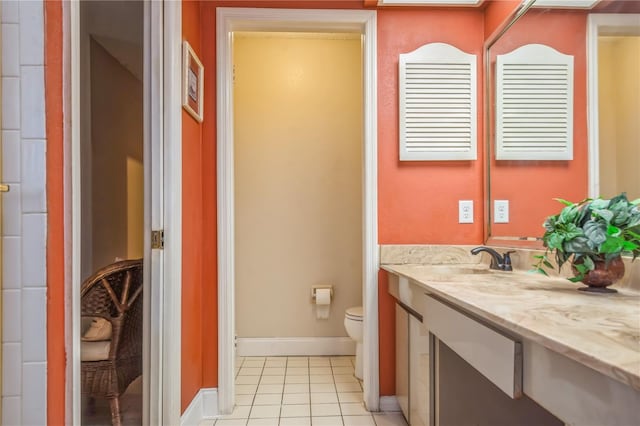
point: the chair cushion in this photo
(100, 329)
(95, 351)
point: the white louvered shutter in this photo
(534, 104)
(438, 104)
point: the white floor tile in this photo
(320, 370)
(297, 362)
(358, 421)
(265, 411)
(323, 378)
(270, 389)
(325, 410)
(250, 371)
(353, 409)
(344, 378)
(271, 380)
(297, 371)
(263, 422)
(342, 370)
(348, 387)
(350, 396)
(295, 398)
(296, 388)
(295, 421)
(319, 362)
(327, 421)
(389, 419)
(267, 399)
(207, 423)
(324, 398)
(247, 380)
(246, 389)
(253, 363)
(340, 362)
(239, 412)
(244, 399)
(322, 387)
(298, 410)
(231, 422)
(297, 379)
(282, 362)
(273, 371)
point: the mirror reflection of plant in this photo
(590, 231)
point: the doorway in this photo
(613, 42)
(160, 71)
(229, 21)
(112, 190)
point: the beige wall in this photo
(298, 181)
(619, 94)
(116, 148)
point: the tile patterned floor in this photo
(300, 391)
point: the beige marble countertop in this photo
(599, 331)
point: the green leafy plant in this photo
(590, 231)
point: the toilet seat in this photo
(354, 313)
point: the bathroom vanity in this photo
(491, 347)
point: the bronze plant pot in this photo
(603, 275)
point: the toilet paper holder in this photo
(319, 287)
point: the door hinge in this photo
(157, 239)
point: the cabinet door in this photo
(418, 373)
(402, 359)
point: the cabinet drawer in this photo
(497, 357)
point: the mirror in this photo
(605, 120)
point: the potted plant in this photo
(592, 235)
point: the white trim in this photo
(295, 346)
(600, 24)
(247, 19)
(76, 212)
(389, 403)
(204, 406)
(171, 299)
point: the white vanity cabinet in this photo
(412, 352)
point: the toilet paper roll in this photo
(323, 299)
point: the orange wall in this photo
(511, 180)
(56, 357)
(192, 235)
(418, 201)
(496, 12)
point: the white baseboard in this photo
(389, 403)
(295, 346)
(204, 406)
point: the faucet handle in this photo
(506, 261)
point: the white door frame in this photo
(229, 20)
(163, 210)
(601, 24)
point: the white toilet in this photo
(353, 325)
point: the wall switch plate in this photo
(501, 211)
(465, 211)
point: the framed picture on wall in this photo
(192, 82)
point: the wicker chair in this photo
(115, 293)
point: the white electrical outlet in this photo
(501, 211)
(465, 211)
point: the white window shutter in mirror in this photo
(438, 104)
(534, 104)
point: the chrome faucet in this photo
(498, 261)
